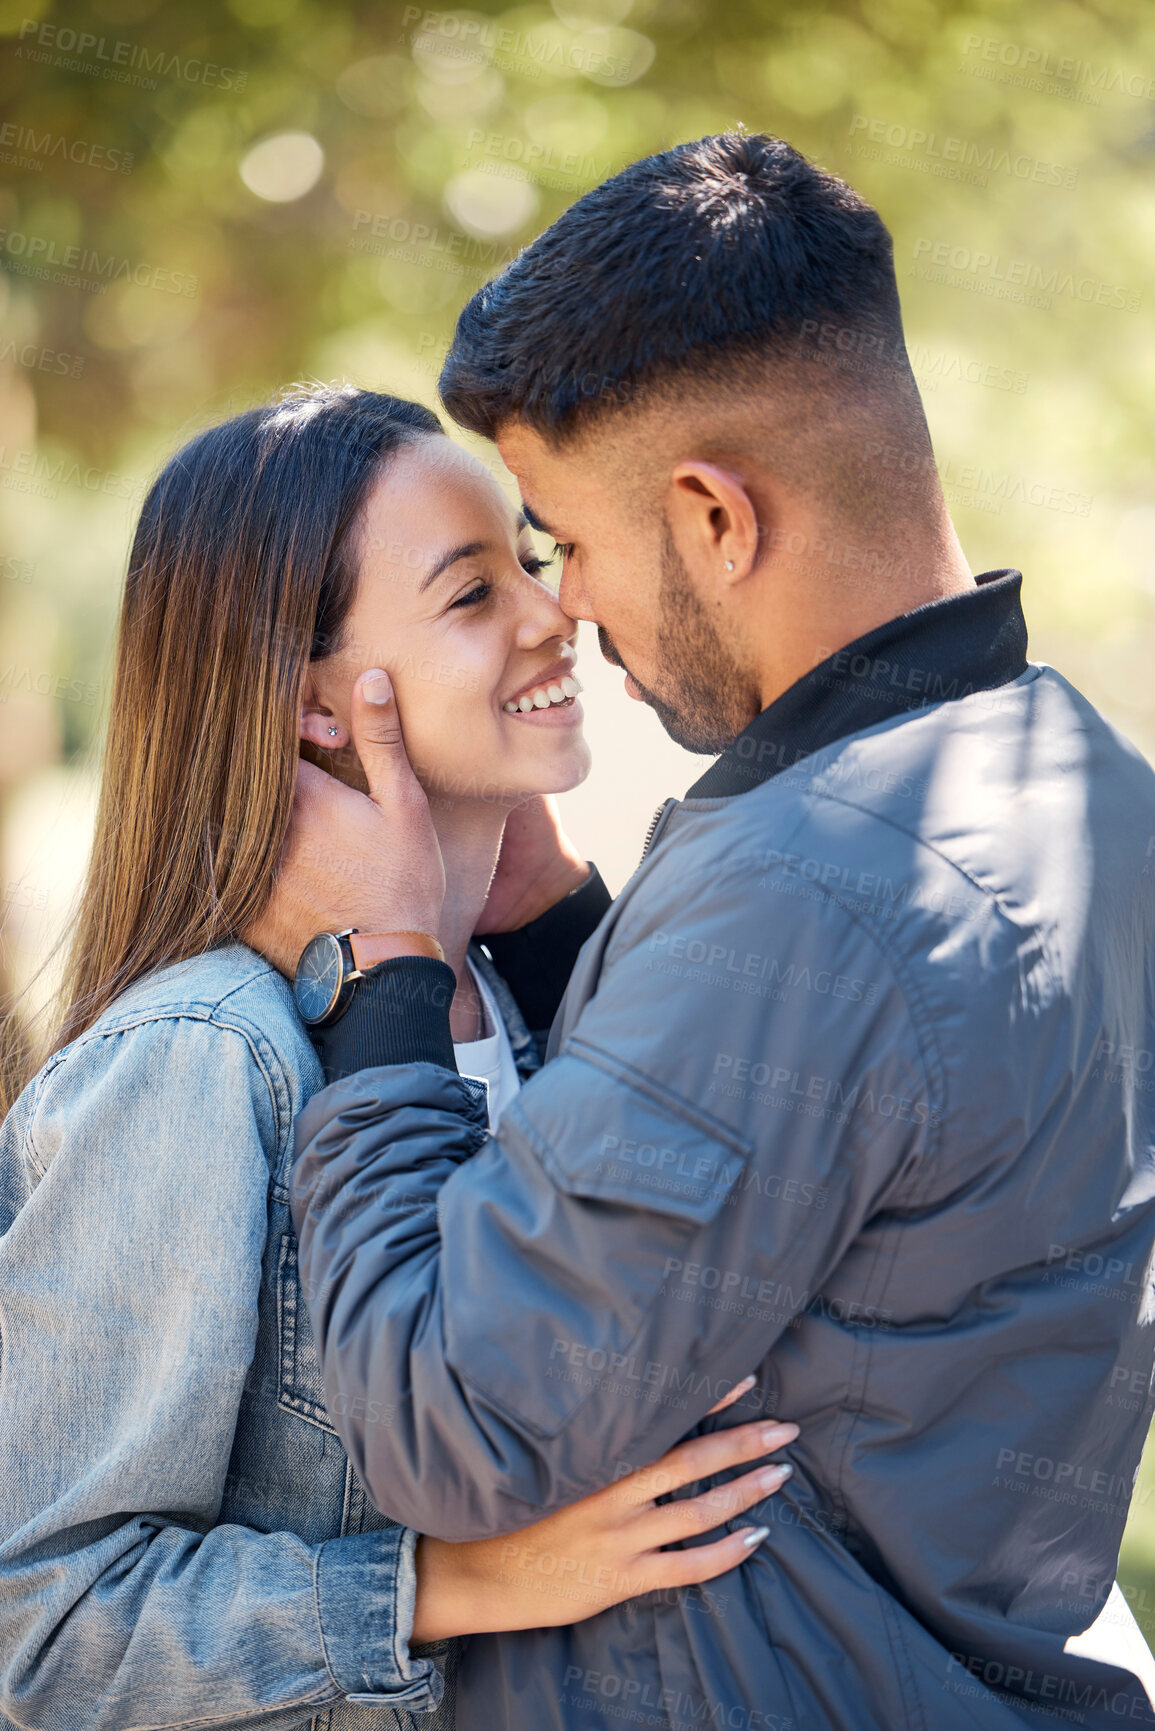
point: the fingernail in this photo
(741, 1387)
(376, 686)
(775, 1476)
(755, 1537)
(776, 1434)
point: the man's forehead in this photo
(550, 476)
(518, 443)
(525, 455)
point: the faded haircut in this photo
(704, 268)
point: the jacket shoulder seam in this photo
(922, 1027)
(921, 1023)
(989, 895)
(251, 1039)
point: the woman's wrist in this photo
(545, 885)
(552, 887)
(442, 1607)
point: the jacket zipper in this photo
(654, 822)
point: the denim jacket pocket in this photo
(301, 1387)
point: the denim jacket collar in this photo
(525, 1053)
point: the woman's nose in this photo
(543, 616)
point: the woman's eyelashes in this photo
(473, 597)
(531, 564)
(535, 565)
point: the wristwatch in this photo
(332, 963)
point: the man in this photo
(848, 1087)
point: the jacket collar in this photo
(946, 649)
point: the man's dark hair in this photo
(685, 265)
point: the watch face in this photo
(317, 983)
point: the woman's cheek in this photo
(447, 729)
(422, 720)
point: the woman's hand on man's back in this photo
(609, 1546)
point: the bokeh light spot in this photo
(283, 167)
(491, 204)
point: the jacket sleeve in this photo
(402, 1008)
(659, 1203)
(128, 1310)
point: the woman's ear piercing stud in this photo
(333, 733)
(729, 564)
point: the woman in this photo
(182, 1539)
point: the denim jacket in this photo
(183, 1540)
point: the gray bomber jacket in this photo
(852, 1087)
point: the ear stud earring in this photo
(333, 733)
(729, 565)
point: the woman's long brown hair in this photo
(243, 568)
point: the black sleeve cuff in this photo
(537, 960)
(399, 1015)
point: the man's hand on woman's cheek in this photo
(351, 859)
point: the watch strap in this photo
(370, 948)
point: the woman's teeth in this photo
(542, 696)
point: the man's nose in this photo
(573, 599)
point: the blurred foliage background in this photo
(201, 202)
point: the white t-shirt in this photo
(490, 1060)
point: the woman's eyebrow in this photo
(467, 550)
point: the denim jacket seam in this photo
(318, 1699)
(308, 1411)
(27, 1141)
(253, 1038)
(275, 1079)
(320, 1623)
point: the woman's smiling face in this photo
(450, 602)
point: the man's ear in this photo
(319, 726)
(713, 520)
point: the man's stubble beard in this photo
(707, 697)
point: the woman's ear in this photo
(319, 726)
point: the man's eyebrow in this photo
(467, 550)
(534, 520)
